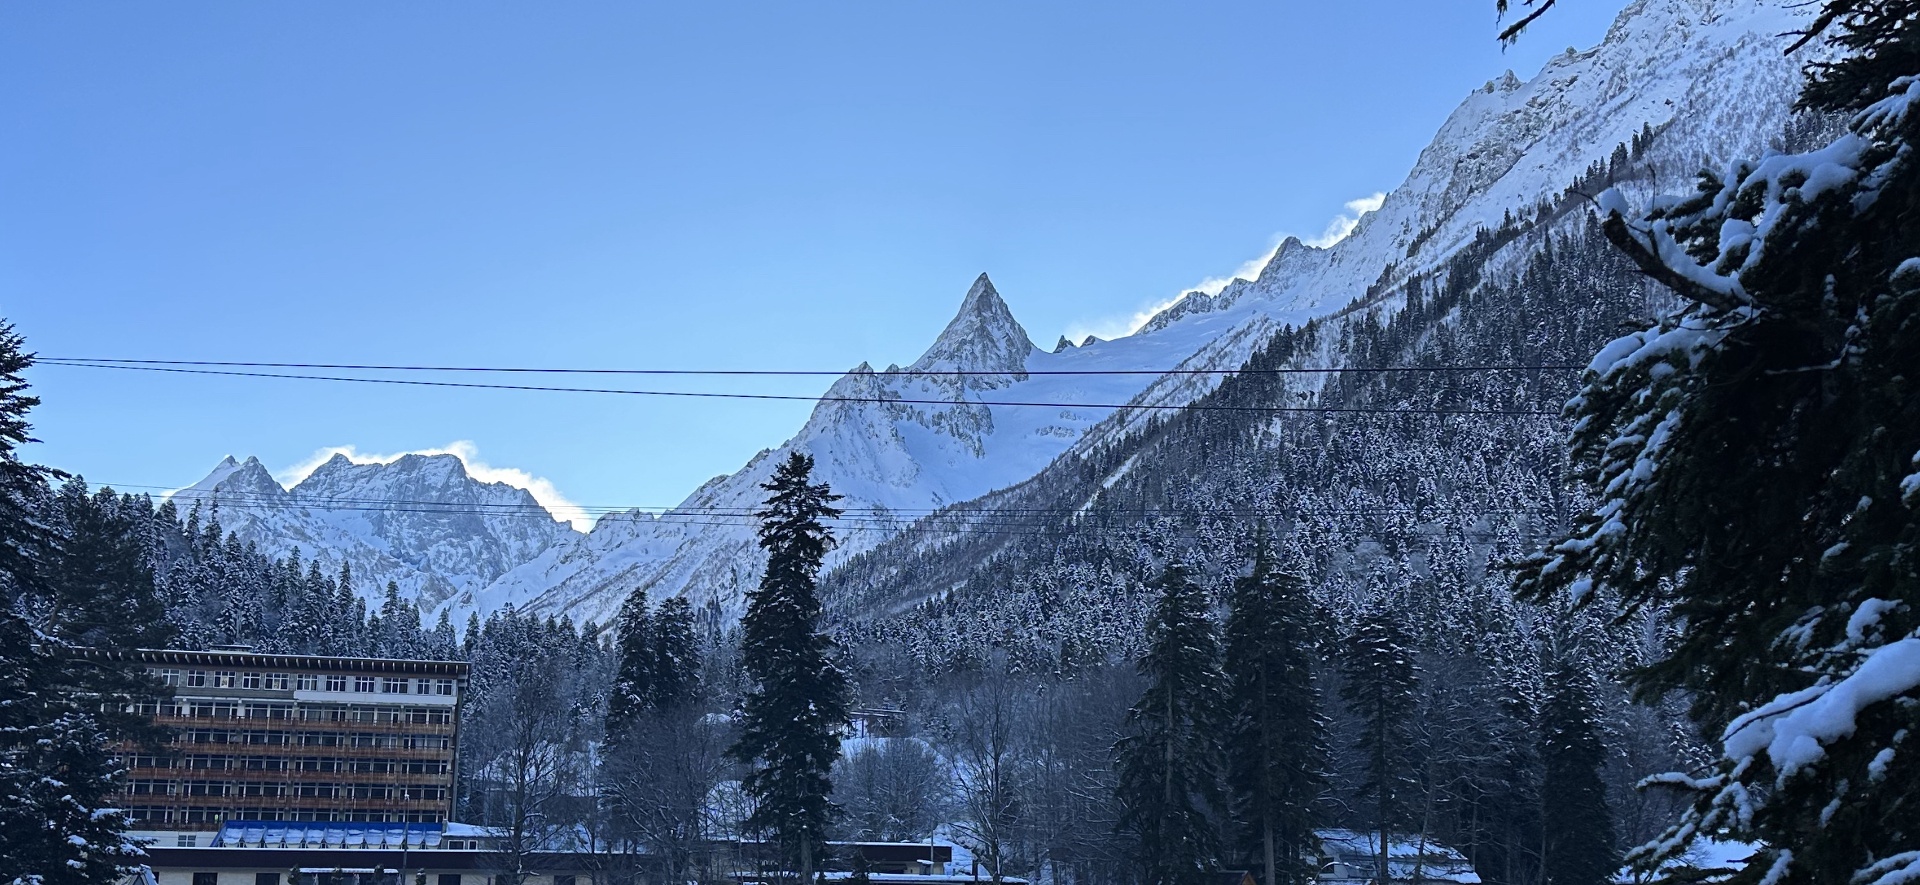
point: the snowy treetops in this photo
(1753, 459)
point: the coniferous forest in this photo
(1584, 626)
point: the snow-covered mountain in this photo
(1709, 74)
(938, 440)
(420, 521)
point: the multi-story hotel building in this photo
(259, 737)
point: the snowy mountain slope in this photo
(1708, 73)
(941, 442)
(420, 521)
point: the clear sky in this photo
(687, 185)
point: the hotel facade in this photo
(292, 738)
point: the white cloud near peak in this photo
(1343, 224)
(1337, 229)
(540, 488)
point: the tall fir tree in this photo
(1278, 753)
(796, 703)
(1752, 456)
(1170, 761)
(57, 770)
(1580, 846)
(1379, 682)
(633, 682)
(676, 655)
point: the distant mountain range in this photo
(1707, 75)
(421, 522)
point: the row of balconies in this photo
(286, 776)
(424, 726)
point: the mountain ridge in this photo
(422, 522)
(1512, 146)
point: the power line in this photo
(821, 399)
(114, 362)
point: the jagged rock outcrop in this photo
(420, 521)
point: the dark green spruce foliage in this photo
(1170, 762)
(1580, 842)
(99, 589)
(659, 662)
(676, 655)
(1752, 455)
(56, 771)
(1379, 681)
(633, 682)
(797, 700)
(1277, 746)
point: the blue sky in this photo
(711, 185)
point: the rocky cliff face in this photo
(420, 522)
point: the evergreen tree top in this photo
(793, 511)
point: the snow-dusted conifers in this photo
(1376, 662)
(1277, 746)
(1754, 458)
(56, 768)
(1579, 846)
(797, 701)
(1170, 762)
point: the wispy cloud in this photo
(1338, 229)
(1344, 223)
(540, 488)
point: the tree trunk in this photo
(1267, 834)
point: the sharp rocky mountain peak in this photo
(903, 442)
(982, 337)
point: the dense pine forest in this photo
(1583, 552)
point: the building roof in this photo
(160, 857)
(191, 658)
(300, 834)
(1407, 855)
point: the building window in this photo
(196, 678)
(168, 677)
(266, 879)
(206, 879)
(277, 681)
(336, 683)
(223, 678)
(363, 683)
(308, 682)
(444, 686)
(390, 685)
(250, 681)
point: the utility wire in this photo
(103, 361)
(1537, 413)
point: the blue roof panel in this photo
(334, 834)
